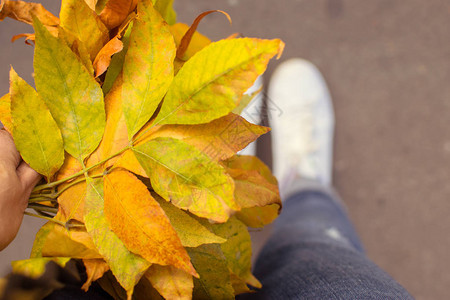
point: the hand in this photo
(17, 180)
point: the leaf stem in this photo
(45, 218)
(85, 170)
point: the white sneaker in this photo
(252, 112)
(302, 136)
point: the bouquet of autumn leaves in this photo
(135, 127)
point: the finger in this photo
(8, 152)
(28, 176)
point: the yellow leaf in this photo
(91, 4)
(35, 267)
(211, 83)
(220, 139)
(5, 112)
(116, 11)
(36, 135)
(214, 281)
(95, 269)
(77, 47)
(126, 266)
(115, 137)
(165, 8)
(256, 190)
(75, 243)
(39, 241)
(103, 58)
(170, 282)
(138, 220)
(188, 178)
(24, 12)
(74, 97)
(128, 161)
(189, 230)
(83, 22)
(148, 67)
(258, 217)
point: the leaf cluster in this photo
(135, 126)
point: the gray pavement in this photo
(387, 63)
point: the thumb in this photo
(28, 176)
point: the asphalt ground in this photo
(387, 64)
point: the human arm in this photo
(17, 180)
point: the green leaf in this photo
(116, 65)
(237, 249)
(79, 19)
(165, 8)
(127, 267)
(148, 67)
(35, 267)
(188, 178)
(74, 97)
(211, 265)
(212, 82)
(36, 135)
(189, 230)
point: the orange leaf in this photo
(138, 220)
(116, 11)
(103, 58)
(95, 269)
(186, 40)
(71, 202)
(24, 12)
(198, 41)
(71, 166)
(29, 38)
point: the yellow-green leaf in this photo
(79, 19)
(211, 265)
(141, 224)
(190, 231)
(126, 266)
(36, 135)
(35, 267)
(5, 112)
(237, 249)
(170, 282)
(211, 83)
(148, 66)
(219, 139)
(74, 97)
(165, 8)
(188, 178)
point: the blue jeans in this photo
(315, 253)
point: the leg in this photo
(315, 253)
